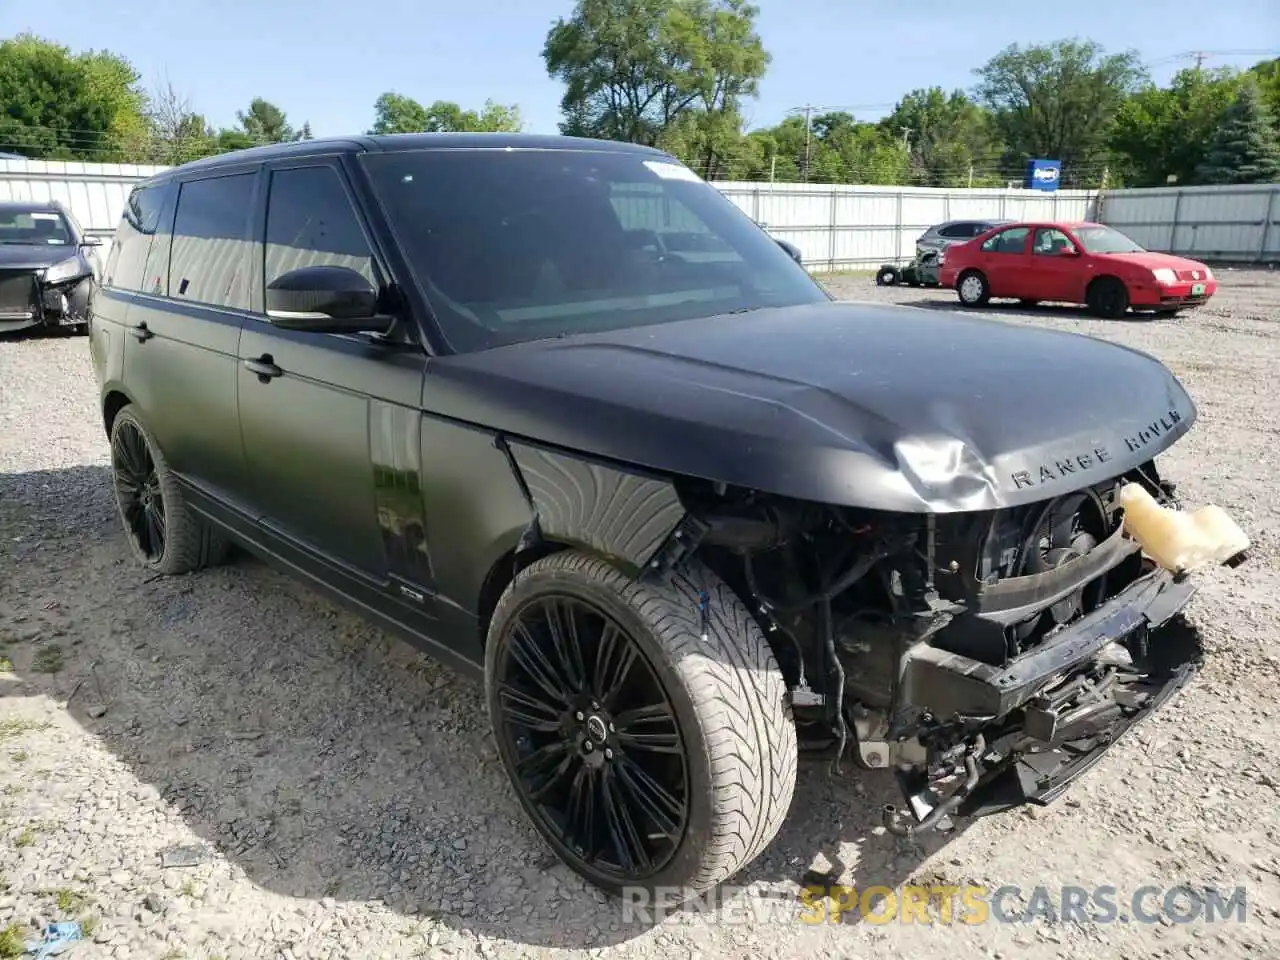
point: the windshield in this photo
(513, 245)
(1099, 239)
(41, 227)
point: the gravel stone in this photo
(340, 782)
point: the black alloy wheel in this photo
(138, 491)
(595, 745)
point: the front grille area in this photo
(17, 294)
(1191, 276)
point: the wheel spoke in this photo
(628, 844)
(566, 761)
(613, 664)
(155, 531)
(645, 793)
(542, 766)
(580, 824)
(533, 661)
(634, 729)
(563, 628)
(528, 711)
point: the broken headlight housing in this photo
(64, 270)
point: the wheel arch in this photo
(113, 401)
(623, 515)
(1104, 278)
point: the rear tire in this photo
(704, 718)
(972, 289)
(163, 532)
(1107, 297)
(886, 277)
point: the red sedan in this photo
(1085, 263)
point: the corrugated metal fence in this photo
(1233, 223)
(839, 227)
(836, 227)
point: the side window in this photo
(1050, 242)
(209, 262)
(127, 259)
(957, 231)
(311, 223)
(1013, 240)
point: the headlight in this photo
(1164, 275)
(67, 269)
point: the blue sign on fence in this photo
(1043, 174)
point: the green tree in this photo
(396, 113)
(1162, 132)
(60, 106)
(953, 140)
(1244, 148)
(1267, 75)
(633, 68)
(264, 122)
(1058, 100)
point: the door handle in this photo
(141, 333)
(264, 367)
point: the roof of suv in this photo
(411, 141)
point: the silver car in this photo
(944, 235)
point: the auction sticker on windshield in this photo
(672, 171)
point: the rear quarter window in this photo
(126, 267)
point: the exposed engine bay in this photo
(987, 658)
(46, 296)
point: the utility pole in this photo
(808, 129)
(1199, 58)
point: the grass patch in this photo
(26, 838)
(13, 789)
(69, 901)
(20, 756)
(48, 660)
(11, 727)
(6, 665)
(12, 942)
(88, 924)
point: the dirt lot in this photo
(343, 798)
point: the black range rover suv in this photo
(561, 414)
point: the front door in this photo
(1004, 261)
(330, 422)
(1055, 266)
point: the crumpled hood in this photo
(34, 254)
(887, 408)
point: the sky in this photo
(326, 61)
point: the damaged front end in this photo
(60, 295)
(987, 658)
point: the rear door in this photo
(331, 432)
(183, 329)
(1004, 260)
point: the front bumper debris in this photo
(1048, 716)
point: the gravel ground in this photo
(336, 795)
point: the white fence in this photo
(836, 227)
(1231, 223)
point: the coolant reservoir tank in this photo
(1180, 540)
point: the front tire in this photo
(886, 277)
(647, 753)
(972, 289)
(1108, 298)
(163, 532)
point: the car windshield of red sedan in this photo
(41, 227)
(1106, 240)
(514, 245)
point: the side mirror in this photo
(325, 299)
(792, 250)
